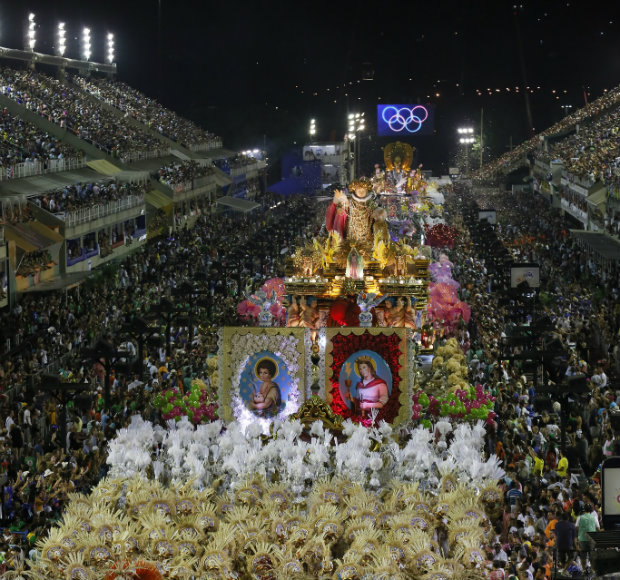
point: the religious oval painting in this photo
(365, 382)
(265, 384)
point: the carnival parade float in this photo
(340, 437)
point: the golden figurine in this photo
(398, 156)
(359, 226)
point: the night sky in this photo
(255, 73)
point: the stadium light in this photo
(110, 47)
(466, 139)
(62, 39)
(86, 52)
(312, 129)
(356, 124)
(31, 35)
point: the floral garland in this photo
(199, 404)
(294, 455)
(470, 405)
(240, 345)
(441, 235)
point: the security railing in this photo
(30, 168)
(94, 212)
(131, 156)
(212, 144)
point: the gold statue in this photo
(332, 245)
(403, 254)
(319, 253)
(398, 156)
(381, 253)
(359, 225)
(380, 227)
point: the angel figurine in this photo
(366, 301)
(265, 301)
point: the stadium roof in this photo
(151, 165)
(220, 153)
(158, 199)
(221, 178)
(32, 236)
(238, 203)
(64, 281)
(50, 181)
(607, 247)
(599, 196)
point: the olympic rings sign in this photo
(409, 119)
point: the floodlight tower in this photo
(31, 34)
(110, 55)
(312, 129)
(466, 139)
(61, 44)
(86, 46)
(356, 124)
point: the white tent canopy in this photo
(237, 203)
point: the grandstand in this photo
(574, 164)
(90, 169)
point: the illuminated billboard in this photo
(488, 215)
(405, 120)
(529, 273)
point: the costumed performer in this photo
(336, 216)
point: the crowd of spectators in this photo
(33, 262)
(182, 173)
(548, 480)
(586, 291)
(515, 157)
(88, 194)
(14, 212)
(234, 256)
(22, 142)
(149, 112)
(231, 256)
(71, 108)
(592, 152)
(552, 490)
(574, 200)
